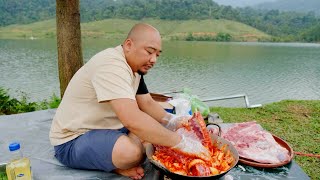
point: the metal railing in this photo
(244, 96)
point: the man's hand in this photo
(174, 122)
(192, 146)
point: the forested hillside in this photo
(285, 26)
(26, 11)
(292, 5)
(191, 30)
(241, 3)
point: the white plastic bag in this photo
(182, 105)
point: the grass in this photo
(297, 122)
(3, 174)
(118, 28)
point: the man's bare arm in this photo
(143, 125)
(148, 105)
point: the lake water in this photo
(266, 72)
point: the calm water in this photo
(266, 72)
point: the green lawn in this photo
(297, 122)
(118, 28)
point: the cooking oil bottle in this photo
(19, 167)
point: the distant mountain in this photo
(118, 28)
(304, 6)
(241, 3)
(26, 11)
(289, 25)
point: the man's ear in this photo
(128, 45)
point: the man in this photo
(106, 111)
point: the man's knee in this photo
(127, 153)
(135, 153)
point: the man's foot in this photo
(133, 173)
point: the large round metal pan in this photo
(214, 138)
(282, 143)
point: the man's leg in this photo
(94, 150)
(138, 140)
(127, 155)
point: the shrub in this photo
(9, 105)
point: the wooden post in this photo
(68, 40)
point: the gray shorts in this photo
(92, 150)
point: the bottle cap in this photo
(14, 146)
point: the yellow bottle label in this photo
(19, 169)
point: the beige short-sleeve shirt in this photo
(85, 104)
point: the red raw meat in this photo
(252, 142)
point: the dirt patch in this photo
(299, 110)
(196, 34)
(249, 35)
(204, 34)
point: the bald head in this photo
(141, 30)
(142, 47)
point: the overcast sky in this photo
(241, 3)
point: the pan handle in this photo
(219, 133)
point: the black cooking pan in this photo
(215, 138)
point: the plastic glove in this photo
(174, 122)
(192, 146)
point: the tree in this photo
(68, 41)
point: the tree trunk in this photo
(68, 41)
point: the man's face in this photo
(143, 53)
